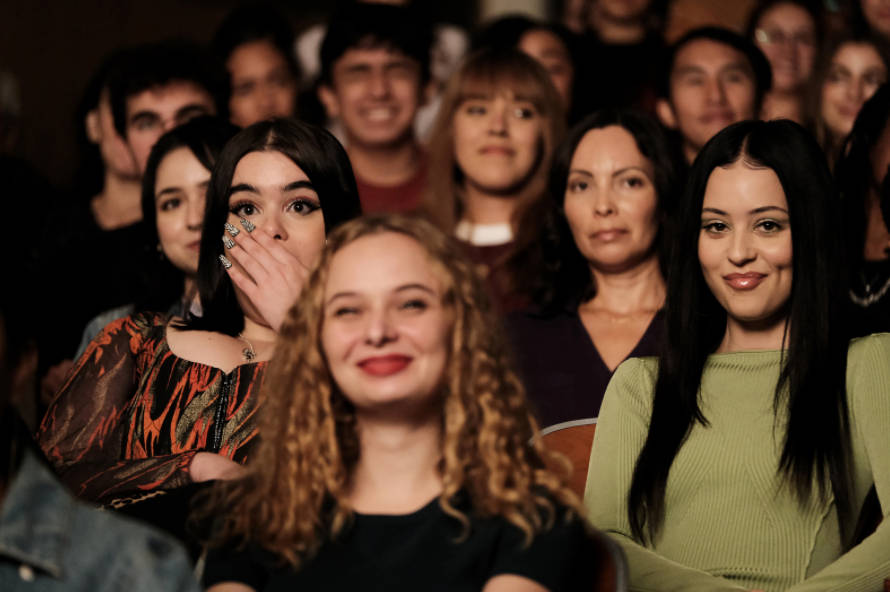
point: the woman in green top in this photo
(742, 457)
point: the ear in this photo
(666, 113)
(328, 99)
(91, 123)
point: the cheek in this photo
(306, 240)
(169, 227)
(577, 214)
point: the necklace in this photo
(871, 294)
(248, 352)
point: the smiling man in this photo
(375, 75)
(714, 77)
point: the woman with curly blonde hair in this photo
(489, 156)
(398, 453)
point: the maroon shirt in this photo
(404, 197)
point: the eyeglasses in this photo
(777, 37)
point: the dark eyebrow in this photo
(340, 295)
(759, 210)
(580, 172)
(167, 191)
(303, 184)
(191, 110)
(713, 211)
(688, 69)
(242, 187)
(144, 114)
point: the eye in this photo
(714, 227)
(414, 304)
(475, 109)
(577, 185)
(524, 112)
(345, 311)
(770, 226)
(243, 209)
(304, 206)
(634, 182)
(169, 204)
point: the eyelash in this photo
(236, 208)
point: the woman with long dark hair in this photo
(742, 456)
(156, 404)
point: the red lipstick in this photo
(744, 281)
(384, 365)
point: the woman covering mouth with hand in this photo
(742, 456)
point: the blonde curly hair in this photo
(295, 494)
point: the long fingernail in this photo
(225, 262)
(248, 225)
(231, 229)
(229, 243)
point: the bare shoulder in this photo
(510, 583)
(230, 587)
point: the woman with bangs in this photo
(398, 454)
(499, 122)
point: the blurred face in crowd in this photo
(744, 246)
(180, 191)
(157, 110)
(877, 15)
(711, 86)
(549, 50)
(497, 142)
(375, 92)
(263, 86)
(386, 332)
(116, 156)
(786, 34)
(610, 200)
(854, 74)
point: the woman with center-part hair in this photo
(741, 458)
(397, 452)
(156, 404)
(600, 291)
(490, 151)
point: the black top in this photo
(869, 306)
(562, 371)
(85, 270)
(420, 551)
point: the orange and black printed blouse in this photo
(132, 415)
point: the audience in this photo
(254, 43)
(788, 33)
(741, 457)
(156, 404)
(712, 78)
(613, 182)
(729, 336)
(850, 71)
(375, 75)
(499, 122)
(397, 454)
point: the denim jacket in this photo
(49, 541)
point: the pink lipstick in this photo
(744, 281)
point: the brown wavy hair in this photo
(488, 72)
(294, 496)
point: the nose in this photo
(379, 84)
(856, 91)
(194, 214)
(274, 225)
(379, 330)
(603, 204)
(741, 249)
(497, 120)
(716, 92)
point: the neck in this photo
(616, 31)
(397, 471)
(638, 289)
(690, 151)
(120, 202)
(481, 207)
(385, 166)
(746, 337)
(261, 337)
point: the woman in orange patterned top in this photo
(157, 404)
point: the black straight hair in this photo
(159, 64)
(567, 280)
(854, 171)
(204, 137)
(811, 386)
(311, 148)
(360, 25)
(760, 68)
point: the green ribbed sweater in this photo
(729, 524)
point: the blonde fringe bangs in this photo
(294, 497)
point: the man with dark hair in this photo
(375, 73)
(713, 77)
(164, 85)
